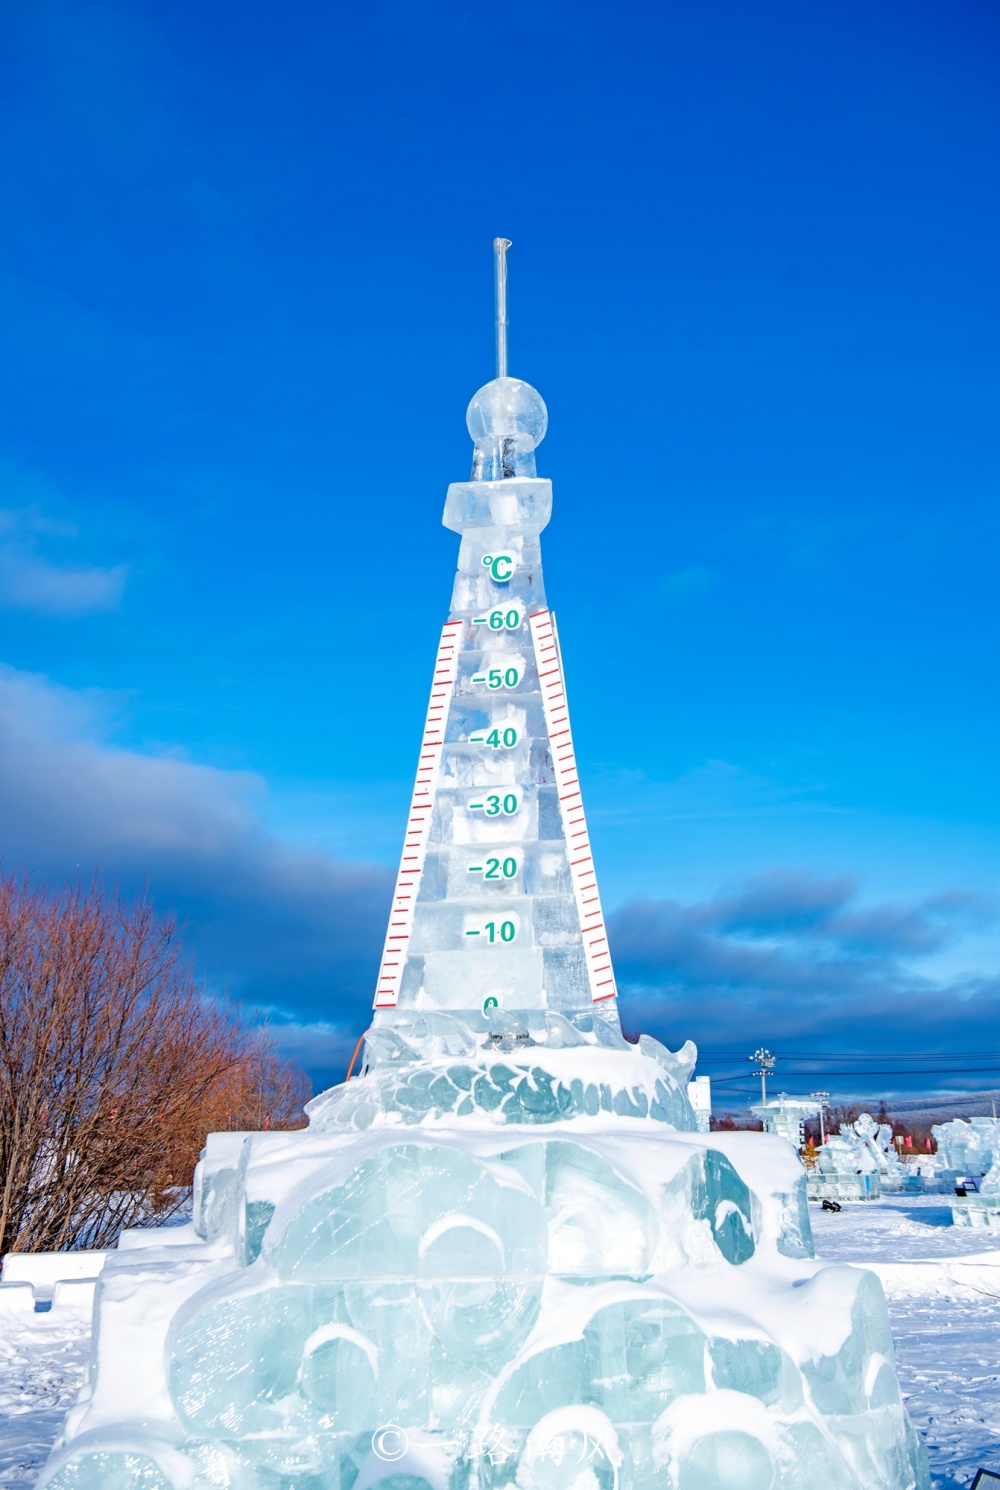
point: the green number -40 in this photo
(505, 739)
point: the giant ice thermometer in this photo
(501, 1256)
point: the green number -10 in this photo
(507, 931)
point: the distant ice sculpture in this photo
(787, 1116)
(969, 1160)
(967, 1147)
(858, 1163)
(502, 1258)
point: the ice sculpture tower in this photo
(496, 905)
(502, 1258)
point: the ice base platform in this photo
(498, 1276)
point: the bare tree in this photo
(113, 1067)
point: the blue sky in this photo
(245, 281)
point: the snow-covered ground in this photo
(945, 1316)
(943, 1287)
(42, 1360)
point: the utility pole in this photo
(765, 1065)
(823, 1098)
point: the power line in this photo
(878, 1055)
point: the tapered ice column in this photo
(496, 902)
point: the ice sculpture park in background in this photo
(502, 1256)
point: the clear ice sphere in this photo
(507, 408)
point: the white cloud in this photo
(30, 581)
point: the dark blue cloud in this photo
(290, 931)
(802, 964)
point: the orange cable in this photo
(354, 1057)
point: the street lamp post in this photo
(765, 1065)
(823, 1098)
